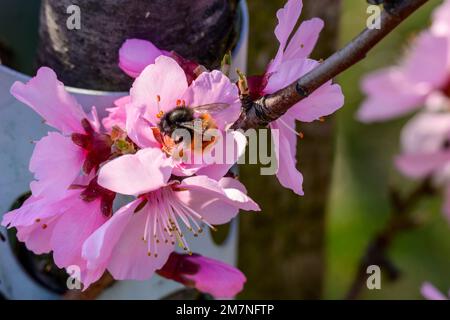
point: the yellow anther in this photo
(160, 114)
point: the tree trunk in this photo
(283, 248)
(201, 30)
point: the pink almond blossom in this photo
(402, 89)
(160, 88)
(140, 237)
(58, 158)
(66, 204)
(205, 274)
(425, 142)
(290, 63)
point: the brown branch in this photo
(399, 221)
(273, 106)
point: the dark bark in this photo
(288, 238)
(202, 30)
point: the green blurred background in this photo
(363, 170)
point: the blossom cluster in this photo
(82, 168)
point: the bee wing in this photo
(191, 125)
(211, 108)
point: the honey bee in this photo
(196, 119)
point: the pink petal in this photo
(231, 148)
(145, 171)
(420, 69)
(164, 79)
(399, 90)
(90, 276)
(138, 128)
(130, 258)
(117, 115)
(99, 246)
(304, 39)
(56, 162)
(73, 227)
(217, 202)
(36, 238)
(118, 245)
(323, 102)
(35, 221)
(48, 97)
(431, 293)
(285, 150)
(237, 193)
(35, 209)
(427, 132)
(136, 54)
(213, 210)
(390, 95)
(287, 19)
(205, 274)
(441, 20)
(94, 119)
(288, 72)
(182, 169)
(215, 87)
(423, 139)
(421, 165)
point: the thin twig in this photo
(273, 106)
(399, 221)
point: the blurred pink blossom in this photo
(430, 292)
(425, 142)
(422, 74)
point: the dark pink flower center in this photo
(189, 67)
(178, 266)
(96, 145)
(94, 191)
(446, 89)
(256, 85)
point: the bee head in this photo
(171, 120)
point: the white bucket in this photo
(19, 125)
